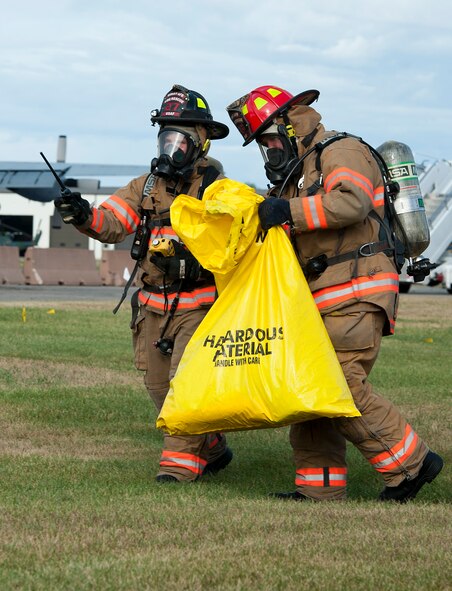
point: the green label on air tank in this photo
(404, 170)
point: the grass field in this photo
(79, 508)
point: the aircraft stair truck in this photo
(436, 188)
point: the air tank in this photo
(409, 203)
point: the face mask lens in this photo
(272, 150)
(176, 145)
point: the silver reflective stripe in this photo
(182, 462)
(159, 298)
(348, 173)
(334, 294)
(334, 476)
(313, 210)
(310, 477)
(358, 287)
(123, 212)
(402, 452)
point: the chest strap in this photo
(317, 265)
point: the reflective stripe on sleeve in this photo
(347, 174)
(123, 212)
(98, 220)
(379, 197)
(314, 212)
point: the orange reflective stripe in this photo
(164, 232)
(314, 212)
(398, 454)
(379, 197)
(391, 325)
(359, 287)
(123, 212)
(183, 460)
(98, 219)
(328, 476)
(347, 174)
(338, 476)
(214, 440)
(188, 299)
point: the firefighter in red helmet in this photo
(331, 194)
(175, 291)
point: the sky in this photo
(94, 70)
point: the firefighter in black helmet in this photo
(175, 291)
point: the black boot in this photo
(220, 463)
(164, 478)
(289, 496)
(408, 489)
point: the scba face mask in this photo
(176, 153)
(278, 154)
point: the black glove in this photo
(273, 212)
(182, 265)
(73, 209)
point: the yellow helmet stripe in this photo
(260, 102)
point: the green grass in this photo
(80, 510)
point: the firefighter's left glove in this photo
(182, 265)
(73, 209)
(273, 212)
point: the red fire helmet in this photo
(255, 111)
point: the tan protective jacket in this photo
(334, 219)
(120, 216)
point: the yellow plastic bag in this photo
(261, 357)
(219, 229)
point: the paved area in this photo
(60, 293)
(66, 293)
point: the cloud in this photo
(94, 70)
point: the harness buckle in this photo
(368, 245)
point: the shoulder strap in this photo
(390, 220)
(210, 175)
(149, 183)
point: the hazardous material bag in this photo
(219, 229)
(261, 357)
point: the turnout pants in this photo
(184, 457)
(381, 434)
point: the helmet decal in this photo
(190, 108)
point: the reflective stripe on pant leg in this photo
(319, 453)
(181, 456)
(214, 447)
(321, 477)
(381, 434)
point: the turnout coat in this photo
(330, 211)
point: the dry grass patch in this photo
(421, 310)
(35, 372)
(22, 439)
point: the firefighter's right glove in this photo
(73, 209)
(182, 265)
(273, 212)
